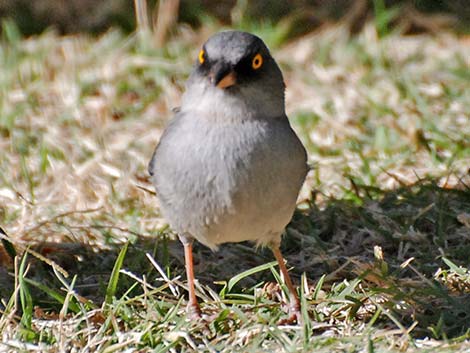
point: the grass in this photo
(379, 246)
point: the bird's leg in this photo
(294, 302)
(194, 312)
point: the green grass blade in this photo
(53, 294)
(307, 325)
(453, 267)
(10, 249)
(114, 278)
(318, 287)
(25, 296)
(237, 278)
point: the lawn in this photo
(379, 246)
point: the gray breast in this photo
(228, 182)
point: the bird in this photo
(228, 166)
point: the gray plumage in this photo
(229, 167)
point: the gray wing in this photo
(151, 165)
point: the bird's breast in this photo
(229, 182)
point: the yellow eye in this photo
(201, 56)
(257, 62)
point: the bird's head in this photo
(235, 68)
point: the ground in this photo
(379, 245)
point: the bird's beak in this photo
(228, 80)
(222, 76)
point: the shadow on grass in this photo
(403, 244)
(390, 244)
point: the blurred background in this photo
(296, 16)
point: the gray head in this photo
(236, 76)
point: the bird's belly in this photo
(230, 188)
(245, 211)
(247, 224)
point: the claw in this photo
(294, 314)
(193, 311)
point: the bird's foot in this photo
(193, 311)
(294, 314)
(194, 315)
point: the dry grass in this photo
(386, 125)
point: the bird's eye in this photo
(257, 61)
(202, 56)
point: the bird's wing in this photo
(168, 129)
(152, 163)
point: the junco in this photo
(229, 167)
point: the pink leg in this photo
(194, 312)
(294, 305)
